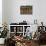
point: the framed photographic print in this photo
(25, 9)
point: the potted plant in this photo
(3, 34)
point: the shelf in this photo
(23, 25)
(16, 32)
(12, 32)
(19, 32)
(20, 29)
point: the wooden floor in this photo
(2, 45)
(32, 45)
(42, 45)
(36, 44)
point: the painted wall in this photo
(0, 13)
(16, 11)
(4, 11)
(12, 11)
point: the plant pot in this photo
(2, 40)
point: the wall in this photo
(12, 11)
(0, 13)
(4, 11)
(16, 9)
(42, 16)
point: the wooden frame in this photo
(25, 9)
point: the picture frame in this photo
(25, 10)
